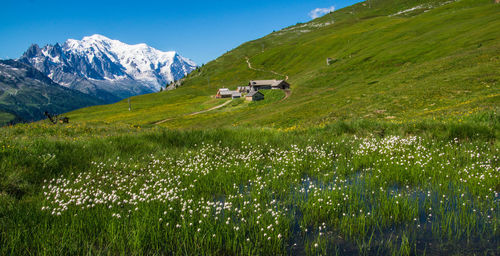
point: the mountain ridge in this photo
(108, 69)
(26, 93)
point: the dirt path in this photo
(269, 71)
(210, 109)
(287, 94)
(164, 120)
(195, 113)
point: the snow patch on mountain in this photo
(427, 7)
(140, 61)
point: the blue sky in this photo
(200, 30)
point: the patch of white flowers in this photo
(244, 190)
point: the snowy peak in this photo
(96, 37)
(140, 61)
(110, 64)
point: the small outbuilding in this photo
(236, 95)
(254, 96)
(224, 93)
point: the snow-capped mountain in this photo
(106, 68)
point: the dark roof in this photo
(266, 82)
(252, 93)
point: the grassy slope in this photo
(6, 117)
(409, 78)
(441, 63)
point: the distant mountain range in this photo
(108, 69)
(95, 70)
(25, 93)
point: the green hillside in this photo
(6, 117)
(396, 61)
(392, 149)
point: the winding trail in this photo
(287, 94)
(164, 120)
(210, 109)
(269, 71)
(195, 113)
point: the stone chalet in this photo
(226, 93)
(256, 85)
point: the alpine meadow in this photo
(385, 143)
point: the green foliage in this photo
(5, 118)
(360, 187)
(270, 96)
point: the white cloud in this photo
(318, 12)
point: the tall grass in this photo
(343, 188)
